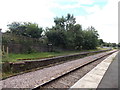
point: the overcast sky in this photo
(101, 14)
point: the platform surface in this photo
(99, 77)
(110, 79)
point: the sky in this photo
(101, 14)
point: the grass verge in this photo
(39, 55)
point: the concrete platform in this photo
(93, 78)
(110, 79)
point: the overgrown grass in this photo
(13, 57)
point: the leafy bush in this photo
(25, 29)
(56, 38)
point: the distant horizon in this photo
(101, 14)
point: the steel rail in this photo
(97, 58)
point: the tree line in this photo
(66, 33)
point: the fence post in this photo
(3, 49)
(7, 50)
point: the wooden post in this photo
(3, 49)
(0, 50)
(7, 51)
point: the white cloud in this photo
(69, 6)
(104, 20)
(39, 11)
(88, 2)
(77, 1)
(83, 1)
(76, 5)
(56, 3)
(92, 9)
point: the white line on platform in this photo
(93, 78)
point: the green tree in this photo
(59, 23)
(26, 29)
(113, 44)
(90, 38)
(67, 33)
(64, 23)
(14, 27)
(100, 42)
(32, 30)
(56, 38)
(75, 37)
(118, 45)
(70, 21)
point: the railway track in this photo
(69, 79)
(59, 76)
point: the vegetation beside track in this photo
(65, 35)
(10, 73)
(39, 55)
